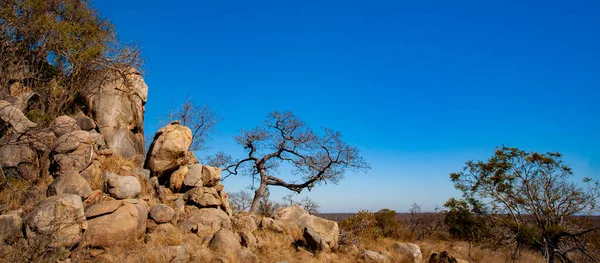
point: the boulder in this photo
(71, 141)
(16, 118)
(443, 257)
(70, 183)
(41, 141)
(245, 224)
(61, 217)
(271, 224)
(193, 177)
(63, 125)
(85, 123)
(205, 221)
(11, 228)
(296, 217)
(117, 101)
(77, 160)
(211, 176)
(315, 240)
(161, 213)
(111, 223)
(177, 254)
(170, 144)
(224, 197)
(176, 179)
(122, 187)
(410, 249)
(290, 214)
(203, 197)
(248, 239)
(94, 176)
(224, 241)
(11, 155)
(372, 256)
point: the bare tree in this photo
(240, 201)
(533, 197)
(310, 205)
(200, 119)
(284, 138)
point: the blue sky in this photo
(419, 86)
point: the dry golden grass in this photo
(24, 194)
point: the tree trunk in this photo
(260, 191)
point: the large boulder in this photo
(177, 178)
(373, 256)
(211, 176)
(111, 223)
(161, 213)
(16, 118)
(71, 141)
(11, 227)
(193, 178)
(169, 146)
(203, 197)
(11, 155)
(272, 224)
(70, 183)
(59, 217)
(63, 125)
(296, 217)
(205, 222)
(122, 187)
(410, 249)
(117, 101)
(224, 241)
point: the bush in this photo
(362, 226)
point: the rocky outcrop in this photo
(224, 241)
(203, 197)
(60, 218)
(103, 229)
(64, 125)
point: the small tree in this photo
(310, 205)
(286, 139)
(200, 119)
(424, 224)
(532, 196)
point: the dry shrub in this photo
(360, 226)
(115, 163)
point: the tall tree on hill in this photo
(533, 197)
(284, 138)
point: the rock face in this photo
(61, 217)
(123, 187)
(272, 224)
(117, 103)
(168, 148)
(413, 250)
(103, 231)
(11, 227)
(70, 183)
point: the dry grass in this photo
(122, 166)
(24, 194)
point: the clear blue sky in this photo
(419, 86)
